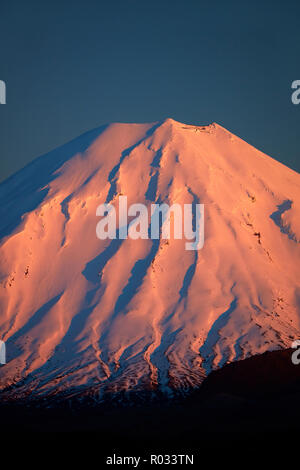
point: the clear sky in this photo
(70, 66)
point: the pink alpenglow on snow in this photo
(84, 315)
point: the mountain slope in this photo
(83, 315)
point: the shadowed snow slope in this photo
(83, 315)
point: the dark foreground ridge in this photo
(257, 395)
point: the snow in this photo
(110, 315)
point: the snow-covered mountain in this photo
(83, 315)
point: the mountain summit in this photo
(81, 315)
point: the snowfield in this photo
(81, 315)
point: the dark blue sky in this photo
(70, 66)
